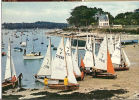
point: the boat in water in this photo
(45, 69)
(32, 55)
(9, 72)
(18, 49)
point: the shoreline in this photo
(127, 82)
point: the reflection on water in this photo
(29, 67)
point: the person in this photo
(39, 53)
(45, 81)
(36, 76)
(20, 78)
(66, 81)
(24, 51)
(124, 64)
(13, 80)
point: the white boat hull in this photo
(33, 57)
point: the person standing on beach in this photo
(13, 80)
(65, 81)
(45, 81)
(19, 79)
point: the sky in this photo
(18, 12)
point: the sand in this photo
(127, 80)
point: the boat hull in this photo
(105, 76)
(8, 85)
(63, 87)
(32, 57)
(121, 68)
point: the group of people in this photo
(14, 80)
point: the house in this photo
(103, 21)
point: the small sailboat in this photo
(118, 58)
(104, 62)
(62, 67)
(9, 71)
(32, 55)
(45, 69)
(76, 69)
(18, 49)
(89, 56)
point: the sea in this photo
(29, 67)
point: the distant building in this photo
(117, 26)
(103, 20)
(137, 10)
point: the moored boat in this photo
(10, 79)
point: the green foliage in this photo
(128, 18)
(84, 16)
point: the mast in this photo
(92, 51)
(120, 49)
(50, 55)
(77, 52)
(32, 44)
(65, 56)
(10, 57)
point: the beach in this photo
(126, 86)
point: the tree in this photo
(84, 16)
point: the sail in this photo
(59, 67)
(110, 68)
(116, 56)
(88, 58)
(94, 50)
(45, 68)
(126, 58)
(8, 63)
(71, 76)
(13, 68)
(101, 60)
(111, 45)
(75, 63)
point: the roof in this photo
(103, 17)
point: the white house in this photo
(103, 20)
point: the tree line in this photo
(84, 16)
(39, 24)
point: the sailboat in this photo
(89, 57)
(9, 71)
(111, 45)
(104, 62)
(76, 69)
(62, 67)
(32, 55)
(45, 69)
(120, 59)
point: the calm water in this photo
(29, 67)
